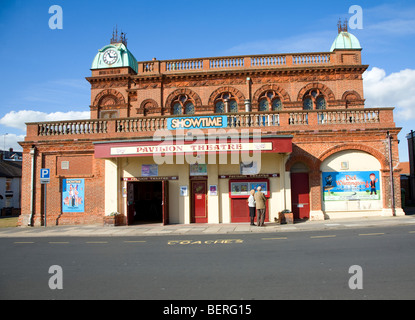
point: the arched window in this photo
(182, 104)
(314, 99)
(223, 99)
(270, 101)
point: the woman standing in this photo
(251, 205)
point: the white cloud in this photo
(10, 140)
(394, 90)
(17, 119)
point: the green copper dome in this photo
(345, 40)
(115, 55)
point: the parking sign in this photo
(44, 176)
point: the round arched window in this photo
(183, 104)
(223, 99)
(270, 101)
(314, 99)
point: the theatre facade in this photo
(184, 141)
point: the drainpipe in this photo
(32, 185)
(391, 174)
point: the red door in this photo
(240, 211)
(165, 202)
(300, 195)
(199, 202)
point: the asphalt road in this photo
(292, 265)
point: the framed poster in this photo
(241, 188)
(149, 170)
(198, 169)
(248, 168)
(183, 191)
(73, 195)
(213, 190)
(351, 185)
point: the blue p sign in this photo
(45, 174)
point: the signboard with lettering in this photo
(205, 122)
(190, 148)
(351, 185)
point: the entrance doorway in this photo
(300, 195)
(199, 201)
(147, 202)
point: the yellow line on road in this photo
(135, 241)
(97, 242)
(318, 237)
(23, 242)
(282, 238)
(371, 234)
(411, 231)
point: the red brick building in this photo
(183, 141)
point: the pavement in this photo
(204, 229)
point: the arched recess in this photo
(348, 146)
(240, 98)
(148, 106)
(308, 161)
(352, 99)
(193, 95)
(351, 95)
(109, 103)
(109, 97)
(352, 181)
(326, 91)
(285, 97)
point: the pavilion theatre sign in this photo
(190, 148)
(145, 148)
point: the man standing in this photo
(260, 201)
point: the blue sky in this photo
(44, 70)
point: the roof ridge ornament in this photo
(342, 28)
(121, 39)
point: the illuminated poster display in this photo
(73, 195)
(351, 185)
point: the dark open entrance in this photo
(145, 203)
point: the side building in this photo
(183, 141)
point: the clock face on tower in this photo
(110, 57)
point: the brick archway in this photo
(345, 147)
(285, 97)
(315, 85)
(193, 95)
(116, 97)
(235, 92)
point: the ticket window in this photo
(239, 191)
